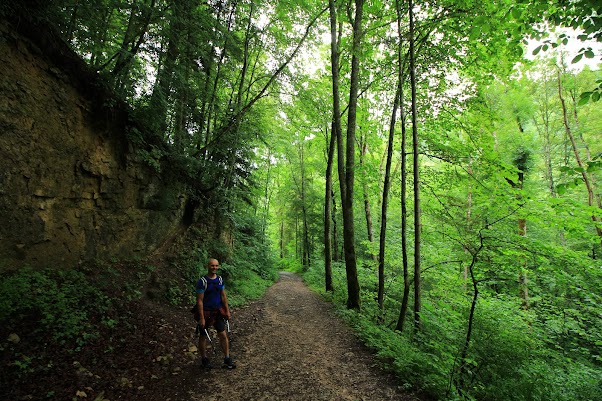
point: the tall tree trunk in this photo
(521, 163)
(586, 178)
(335, 138)
(404, 176)
(281, 239)
(416, 172)
(385, 203)
(353, 287)
(366, 195)
(336, 249)
(346, 159)
(523, 276)
(464, 363)
(266, 197)
(574, 95)
(328, 213)
(468, 219)
(305, 239)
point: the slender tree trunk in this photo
(266, 197)
(366, 195)
(297, 245)
(336, 253)
(464, 363)
(328, 213)
(348, 236)
(416, 165)
(282, 240)
(522, 165)
(523, 276)
(305, 240)
(404, 176)
(574, 95)
(468, 221)
(385, 203)
(582, 166)
(545, 131)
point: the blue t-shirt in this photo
(212, 288)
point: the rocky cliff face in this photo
(71, 188)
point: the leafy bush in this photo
(60, 302)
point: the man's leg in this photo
(203, 350)
(203, 344)
(224, 343)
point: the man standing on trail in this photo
(213, 310)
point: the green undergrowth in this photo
(509, 357)
(69, 306)
(84, 308)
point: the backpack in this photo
(195, 308)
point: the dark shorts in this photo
(216, 319)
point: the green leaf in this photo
(589, 54)
(516, 13)
(536, 50)
(596, 96)
(519, 50)
(594, 166)
(566, 169)
(577, 58)
(561, 189)
(584, 98)
(475, 32)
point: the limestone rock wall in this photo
(71, 188)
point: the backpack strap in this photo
(204, 281)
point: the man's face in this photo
(213, 266)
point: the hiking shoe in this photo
(205, 364)
(229, 363)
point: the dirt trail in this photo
(289, 346)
